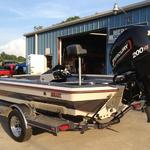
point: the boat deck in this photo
(87, 81)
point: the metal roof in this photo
(92, 17)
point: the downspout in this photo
(36, 43)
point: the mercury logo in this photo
(122, 53)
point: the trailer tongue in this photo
(58, 101)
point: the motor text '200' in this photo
(140, 51)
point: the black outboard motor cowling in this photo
(131, 53)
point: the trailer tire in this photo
(17, 127)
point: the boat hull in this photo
(76, 101)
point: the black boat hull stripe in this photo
(88, 106)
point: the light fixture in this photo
(116, 9)
(100, 34)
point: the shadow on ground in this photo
(4, 124)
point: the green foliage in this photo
(71, 19)
(21, 59)
(4, 56)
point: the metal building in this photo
(96, 33)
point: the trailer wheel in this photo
(17, 128)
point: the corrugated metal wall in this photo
(49, 39)
(30, 45)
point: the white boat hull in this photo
(76, 101)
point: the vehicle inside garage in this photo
(95, 44)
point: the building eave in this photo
(88, 18)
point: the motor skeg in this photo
(131, 51)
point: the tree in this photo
(71, 19)
(4, 56)
(21, 59)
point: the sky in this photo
(20, 16)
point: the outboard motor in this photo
(130, 60)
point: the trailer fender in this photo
(24, 110)
(18, 126)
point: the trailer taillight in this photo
(64, 127)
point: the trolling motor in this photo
(130, 60)
(57, 74)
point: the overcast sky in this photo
(20, 16)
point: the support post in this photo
(79, 67)
(36, 43)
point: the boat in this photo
(75, 99)
(58, 100)
(65, 97)
(59, 91)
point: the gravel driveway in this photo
(133, 133)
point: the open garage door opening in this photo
(95, 44)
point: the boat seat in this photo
(75, 50)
